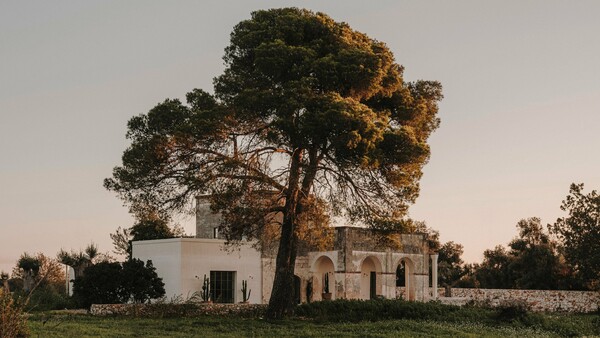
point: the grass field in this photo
(56, 324)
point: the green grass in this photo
(56, 324)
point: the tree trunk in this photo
(281, 303)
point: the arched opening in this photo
(405, 279)
(297, 289)
(370, 279)
(401, 275)
(323, 270)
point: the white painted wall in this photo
(179, 260)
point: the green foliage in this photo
(467, 322)
(141, 283)
(112, 282)
(516, 310)
(451, 267)
(149, 225)
(306, 108)
(531, 263)
(343, 310)
(450, 264)
(13, 322)
(579, 235)
(79, 261)
(101, 284)
(48, 298)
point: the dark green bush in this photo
(114, 283)
(45, 299)
(511, 311)
(360, 310)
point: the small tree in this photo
(141, 282)
(112, 282)
(79, 261)
(30, 267)
(579, 234)
(101, 284)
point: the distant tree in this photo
(101, 284)
(531, 262)
(79, 261)
(450, 264)
(307, 110)
(535, 263)
(121, 239)
(149, 225)
(27, 268)
(579, 235)
(38, 270)
(494, 272)
(141, 282)
(4, 278)
(113, 282)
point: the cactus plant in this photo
(245, 291)
(205, 289)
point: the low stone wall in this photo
(538, 300)
(169, 310)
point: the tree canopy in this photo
(309, 116)
(579, 235)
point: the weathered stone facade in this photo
(538, 300)
(359, 267)
(358, 264)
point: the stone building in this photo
(356, 266)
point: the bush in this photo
(511, 311)
(101, 284)
(13, 322)
(344, 310)
(113, 283)
(46, 298)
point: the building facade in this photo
(356, 266)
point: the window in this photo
(222, 286)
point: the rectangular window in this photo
(222, 286)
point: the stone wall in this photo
(538, 300)
(168, 310)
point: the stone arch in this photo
(406, 269)
(323, 265)
(370, 277)
(297, 289)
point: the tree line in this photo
(563, 255)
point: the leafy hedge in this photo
(344, 310)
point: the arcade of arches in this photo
(357, 268)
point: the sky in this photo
(520, 117)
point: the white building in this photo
(356, 265)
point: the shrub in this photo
(514, 310)
(100, 284)
(13, 322)
(344, 310)
(47, 298)
(114, 283)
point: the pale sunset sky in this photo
(520, 118)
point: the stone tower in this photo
(207, 222)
